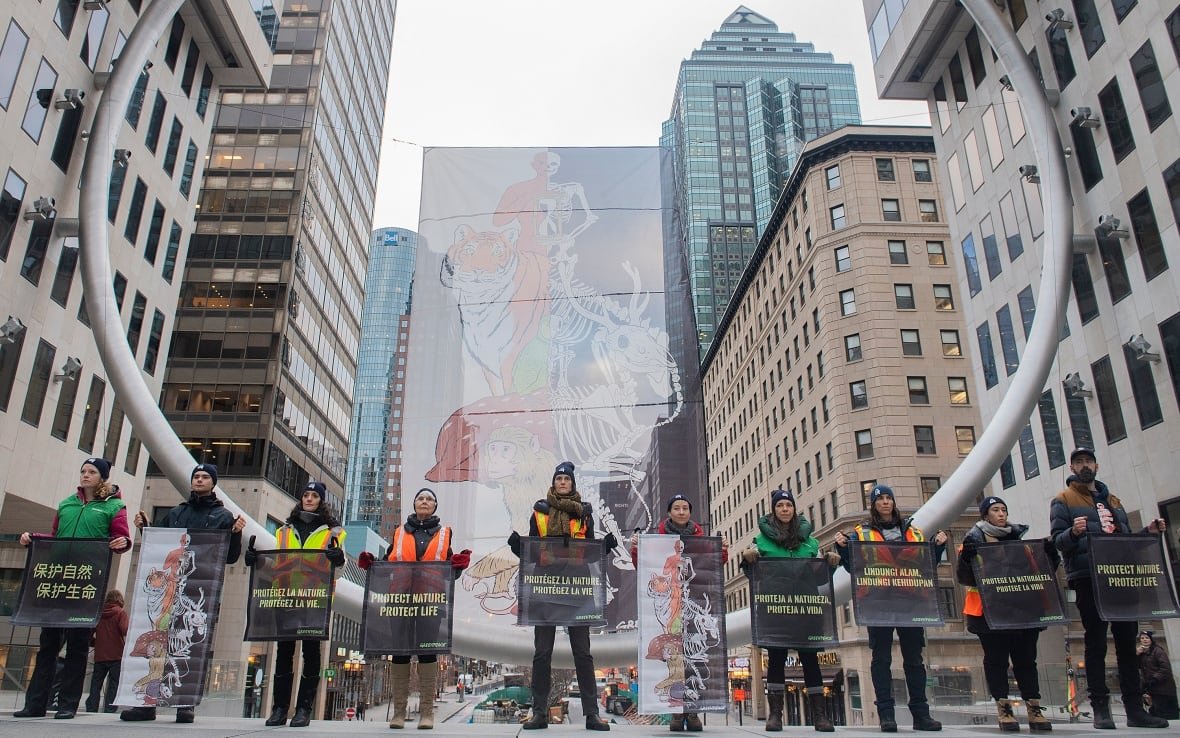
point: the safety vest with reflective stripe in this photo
(405, 548)
(869, 533)
(577, 527)
(288, 537)
(972, 602)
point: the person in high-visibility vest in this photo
(785, 534)
(1000, 646)
(310, 526)
(563, 514)
(421, 538)
(886, 524)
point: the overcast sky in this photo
(570, 73)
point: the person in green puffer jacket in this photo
(786, 534)
(95, 510)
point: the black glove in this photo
(251, 556)
(609, 542)
(335, 553)
(541, 506)
(970, 548)
(514, 543)
(587, 510)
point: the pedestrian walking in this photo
(109, 638)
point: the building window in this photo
(1089, 26)
(1122, 7)
(64, 414)
(1079, 420)
(95, 31)
(936, 253)
(1007, 473)
(39, 101)
(1169, 335)
(847, 302)
(35, 250)
(957, 389)
(1172, 183)
(964, 439)
(911, 342)
(1147, 401)
(833, 176)
(928, 486)
(175, 36)
(1007, 340)
(90, 418)
(115, 192)
(110, 449)
(903, 296)
(12, 53)
(155, 230)
(135, 324)
(975, 57)
(1086, 155)
(958, 83)
(156, 123)
(987, 355)
(991, 254)
(172, 150)
(922, 170)
(1062, 59)
(186, 172)
(204, 91)
(852, 347)
(1147, 236)
(1083, 289)
(1114, 117)
(1011, 226)
(9, 361)
(918, 392)
(897, 253)
(859, 394)
(153, 346)
(924, 440)
(1151, 86)
(843, 259)
(928, 211)
(891, 210)
(10, 210)
(971, 262)
(63, 279)
(885, 171)
(190, 68)
(38, 383)
(1052, 430)
(950, 343)
(135, 215)
(1028, 309)
(1108, 400)
(837, 214)
(135, 103)
(943, 297)
(1028, 453)
(1117, 280)
(169, 269)
(864, 444)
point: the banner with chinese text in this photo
(64, 583)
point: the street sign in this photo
(329, 673)
(350, 713)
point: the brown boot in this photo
(818, 710)
(1006, 718)
(1037, 722)
(774, 708)
(676, 725)
(401, 694)
(427, 681)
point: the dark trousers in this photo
(911, 641)
(776, 667)
(543, 637)
(1019, 646)
(108, 671)
(285, 676)
(77, 642)
(1124, 649)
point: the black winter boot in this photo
(1137, 717)
(281, 700)
(1102, 718)
(774, 708)
(886, 717)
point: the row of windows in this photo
(890, 212)
(917, 389)
(923, 441)
(885, 172)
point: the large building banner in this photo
(548, 318)
(64, 583)
(682, 653)
(175, 598)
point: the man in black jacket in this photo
(202, 511)
(1087, 508)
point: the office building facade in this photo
(745, 103)
(372, 491)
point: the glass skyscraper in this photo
(745, 104)
(372, 489)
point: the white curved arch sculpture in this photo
(512, 645)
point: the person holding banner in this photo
(310, 526)
(1086, 507)
(94, 510)
(421, 538)
(1000, 646)
(679, 523)
(886, 524)
(1155, 671)
(785, 534)
(202, 511)
(563, 514)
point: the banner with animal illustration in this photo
(792, 603)
(1132, 580)
(64, 583)
(552, 322)
(561, 582)
(894, 584)
(682, 651)
(290, 596)
(407, 607)
(175, 598)
(1018, 585)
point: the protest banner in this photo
(1131, 577)
(894, 584)
(290, 596)
(792, 603)
(64, 583)
(1017, 585)
(562, 582)
(408, 608)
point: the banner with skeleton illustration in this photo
(175, 598)
(290, 596)
(551, 322)
(682, 652)
(64, 583)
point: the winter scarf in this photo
(562, 509)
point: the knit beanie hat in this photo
(987, 503)
(319, 488)
(878, 491)
(566, 468)
(210, 469)
(102, 465)
(676, 498)
(779, 495)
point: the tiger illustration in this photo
(502, 299)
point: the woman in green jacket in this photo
(786, 534)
